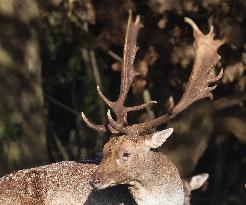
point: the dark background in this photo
(54, 53)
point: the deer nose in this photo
(95, 181)
(92, 183)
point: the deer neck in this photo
(159, 183)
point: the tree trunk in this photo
(22, 130)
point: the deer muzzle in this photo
(95, 181)
(101, 181)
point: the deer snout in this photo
(93, 184)
(101, 181)
(95, 181)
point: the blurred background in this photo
(53, 54)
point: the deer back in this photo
(59, 184)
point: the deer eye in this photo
(125, 155)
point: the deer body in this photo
(42, 186)
(64, 183)
(67, 183)
(57, 183)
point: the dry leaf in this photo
(182, 55)
(151, 56)
(138, 85)
(117, 67)
(233, 72)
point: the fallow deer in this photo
(130, 156)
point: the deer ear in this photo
(158, 138)
(198, 181)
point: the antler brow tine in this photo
(99, 128)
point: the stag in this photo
(130, 158)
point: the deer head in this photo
(125, 157)
(129, 157)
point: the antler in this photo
(127, 76)
(206, 57)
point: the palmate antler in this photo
(206, 58)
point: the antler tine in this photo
(140, 107)
(206, 57)
(104, 98)
(130, 49)
(99, 128)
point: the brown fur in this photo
(58, 184)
